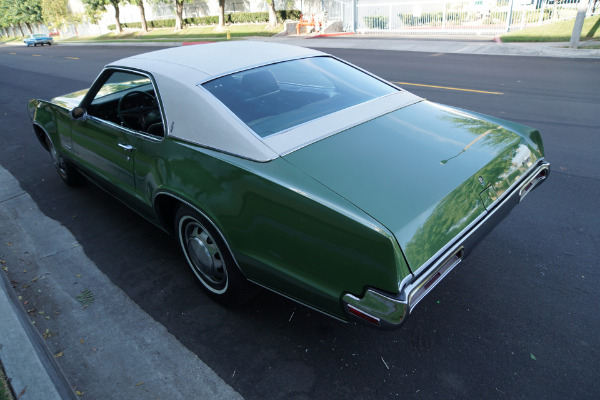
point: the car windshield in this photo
(38, 35)
(276, 97)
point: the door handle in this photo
(127, 147)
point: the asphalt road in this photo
(518, 319)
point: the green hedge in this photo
(428, 18)
(234, 18)
(376, 22)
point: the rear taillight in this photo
(363, 315)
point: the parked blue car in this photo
(38, 38)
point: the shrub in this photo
(210, 20)
(235, 18)
(376, 22)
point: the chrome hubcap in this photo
(200, 255)
(204, 255)
(57, 160)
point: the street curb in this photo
(47, 372)
(331, 35)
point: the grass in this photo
(5, 392)
(556, 32)
(4, 39)
(195, 33)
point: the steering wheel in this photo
(140, 116)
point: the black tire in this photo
(66, 171)
(49, 44)
(210, 259)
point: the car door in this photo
(119, 107)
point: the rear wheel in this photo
(66, 171)
(210, 259)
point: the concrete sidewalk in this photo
(460, 45)
(110, 349)
(447, 44)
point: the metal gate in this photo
(460, 17)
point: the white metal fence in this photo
(460, 17)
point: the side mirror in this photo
(78, 113)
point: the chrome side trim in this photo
(295, 300)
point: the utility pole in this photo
(581, 11)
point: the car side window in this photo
(129, 100)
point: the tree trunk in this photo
(272, 13)
(29, 27)
(117, 21)
(21, 29)
(178, 14)
(221, 13)
(143, 15)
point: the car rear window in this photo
(276, 97)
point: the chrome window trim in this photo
(87, 100)
(284, 131)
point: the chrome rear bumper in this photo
(388, 310)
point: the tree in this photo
(6, 15)
(54, 12)
(140, 4)
(99, 6)
(17, 12)
(29, 12)
(221, 13)
(272, 13)
(179, 14)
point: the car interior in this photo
(128, 103)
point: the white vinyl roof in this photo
(220, 58)
(195, 115)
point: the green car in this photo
(290, 169)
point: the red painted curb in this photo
(330, 34)
(192, 43)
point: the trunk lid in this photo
(424, 171)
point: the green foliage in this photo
(14, 12)
(234, 18)
(555, 32)
(376, 22)
(54, 12)
(86, 297)
(29, 11)
(428, 18)
(95, 8)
